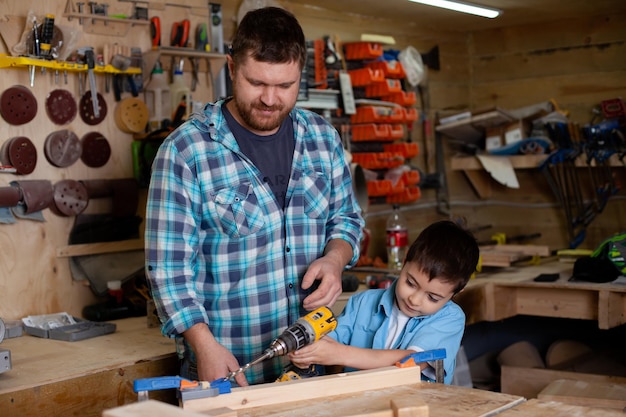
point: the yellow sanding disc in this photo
(131, 115)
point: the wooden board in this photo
(591, 394)
(58, 378)
(355, 393)
(529, 382)
(534, 408)
(504, 255)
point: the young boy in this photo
(382, 326)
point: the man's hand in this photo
(328, 270)
(214, 361)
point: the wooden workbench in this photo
(417, 399)
(58, 378)
(500, 293)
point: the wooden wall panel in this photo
(576, 62)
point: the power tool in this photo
(303, 332)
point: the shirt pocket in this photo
(238, 210)
(316, 191)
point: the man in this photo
(251, 217)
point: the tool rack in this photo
(25, 62)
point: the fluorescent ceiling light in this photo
(462, 7)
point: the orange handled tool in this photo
(180, 33)
(155, 31)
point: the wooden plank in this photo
(466, 163)
(344, 383)
(591, 394)
(561, 302)
(481, 183)
(442, 400)
(611, 309)
(99, 248)
(549, 62)
(153, 408)
(592, 30)
(566, 89)
(528, 382)
(534, 408)
(526, 250)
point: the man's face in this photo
(416, 296)
(264, 93)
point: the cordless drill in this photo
(303, 332)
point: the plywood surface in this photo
(534, 408)
(592, 394)
(356, 393)
(442, 401)
(38, 361)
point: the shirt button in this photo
(290, 285)
(288, 249)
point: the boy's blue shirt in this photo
(364, 323)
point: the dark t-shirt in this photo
(272, 154)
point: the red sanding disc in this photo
(18, 105)
(70, 197)
(96, 150)
(86, 109)
(62, 148)
(61, 106)
(20, 153)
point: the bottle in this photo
(397, 239)
(181, 97)
(158, 98)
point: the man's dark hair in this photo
(269, 34)
(446, 251)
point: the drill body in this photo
(303, 332)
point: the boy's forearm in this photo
(359, 358)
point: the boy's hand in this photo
(322, 352)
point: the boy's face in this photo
(417, 296)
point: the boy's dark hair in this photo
(446, 251)
(269, 34)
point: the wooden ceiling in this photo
(516, 12)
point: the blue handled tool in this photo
(187, 389)
(436, 355)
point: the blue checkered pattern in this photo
(220, 250)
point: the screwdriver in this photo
(47, 33)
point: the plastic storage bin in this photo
(362, 50)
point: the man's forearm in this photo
(340, 250)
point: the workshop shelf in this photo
(377, 132)
(400, 97)
(384, 89)
(408, 195)
(378, 160)
(390, 69)
(378, 114)
(362, 50)
(407, 150)
(378, 188)
(410, 114)
(365, 76)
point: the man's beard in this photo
(260, 124)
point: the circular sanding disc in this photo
(61, 107)
(18, 105)
(96, 150)
(70, 197)
(85, 108)
(62, 148)
(20, 153)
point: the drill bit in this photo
(266, 355)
